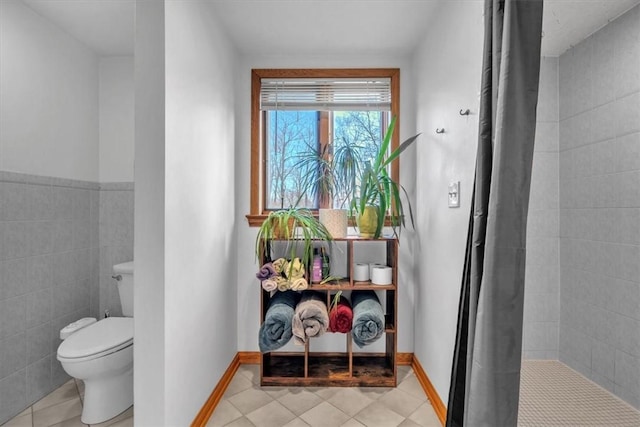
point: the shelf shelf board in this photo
(343, 239)
(344, 285)
(329, 370)
(371, 286)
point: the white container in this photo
(381, 275)
(361, 272)
(335, 220)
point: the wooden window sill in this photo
(256, 220)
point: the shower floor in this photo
(554, 395)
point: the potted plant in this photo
(377, 194)
(295, 226)
(328, 172)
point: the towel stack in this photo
(304, 315)
(283, 275)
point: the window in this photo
(298, 114)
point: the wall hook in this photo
(465, 112)
(440, 130)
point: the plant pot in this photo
(335, 220)
(281, 232)
(368, 222)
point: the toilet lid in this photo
(105, 336)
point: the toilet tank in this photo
(123, 273)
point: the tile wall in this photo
(51, 273)
(599, 84)
(542, 278)
(116, 241)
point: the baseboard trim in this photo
(404, 358)
(205, 413)
(249, 357)
(439, 407)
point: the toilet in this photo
(101, 354)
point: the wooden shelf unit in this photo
(347, 368)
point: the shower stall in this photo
(582, 291)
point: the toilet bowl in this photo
(101, 354)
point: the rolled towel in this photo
(294, 269)
(368, 317)
(266, 271)
(279, 265)
(299, 284)
(310, 318)
(283, 284)
(341, 316)
(270, 284)
(275, 331)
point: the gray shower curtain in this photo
(485, 377)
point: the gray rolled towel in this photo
(368, 317)
(275, 331)
(311, 318)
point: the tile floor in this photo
(246, 404)
(554, 395)
(62, 408)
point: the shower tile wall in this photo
(542, 278)
(116, 240)
(599, 82)
(58, 241)
(48, 266)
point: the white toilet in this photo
(101, 354)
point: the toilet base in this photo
(107, 397)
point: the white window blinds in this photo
(345, 94)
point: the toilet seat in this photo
(97, 340)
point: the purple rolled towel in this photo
(266, 272)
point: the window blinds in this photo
(345, 94)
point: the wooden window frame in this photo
(257, 213)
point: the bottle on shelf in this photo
(326, 267)
(316, 269)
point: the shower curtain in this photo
(485, 376)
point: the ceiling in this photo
(105, 26)
(320, 26)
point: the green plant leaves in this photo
(378, 189)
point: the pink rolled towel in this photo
(269, 284)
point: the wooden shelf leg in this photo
(350, 353)
(306, 359)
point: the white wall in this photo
(49, 102)
(200, 247)
(542, 278)
(149, 216)
(447, 69)
(247, 286)
(116, 119)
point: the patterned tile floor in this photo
(554, 395)
(246, 404)
(62, 408)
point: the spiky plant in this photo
(377, 188)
